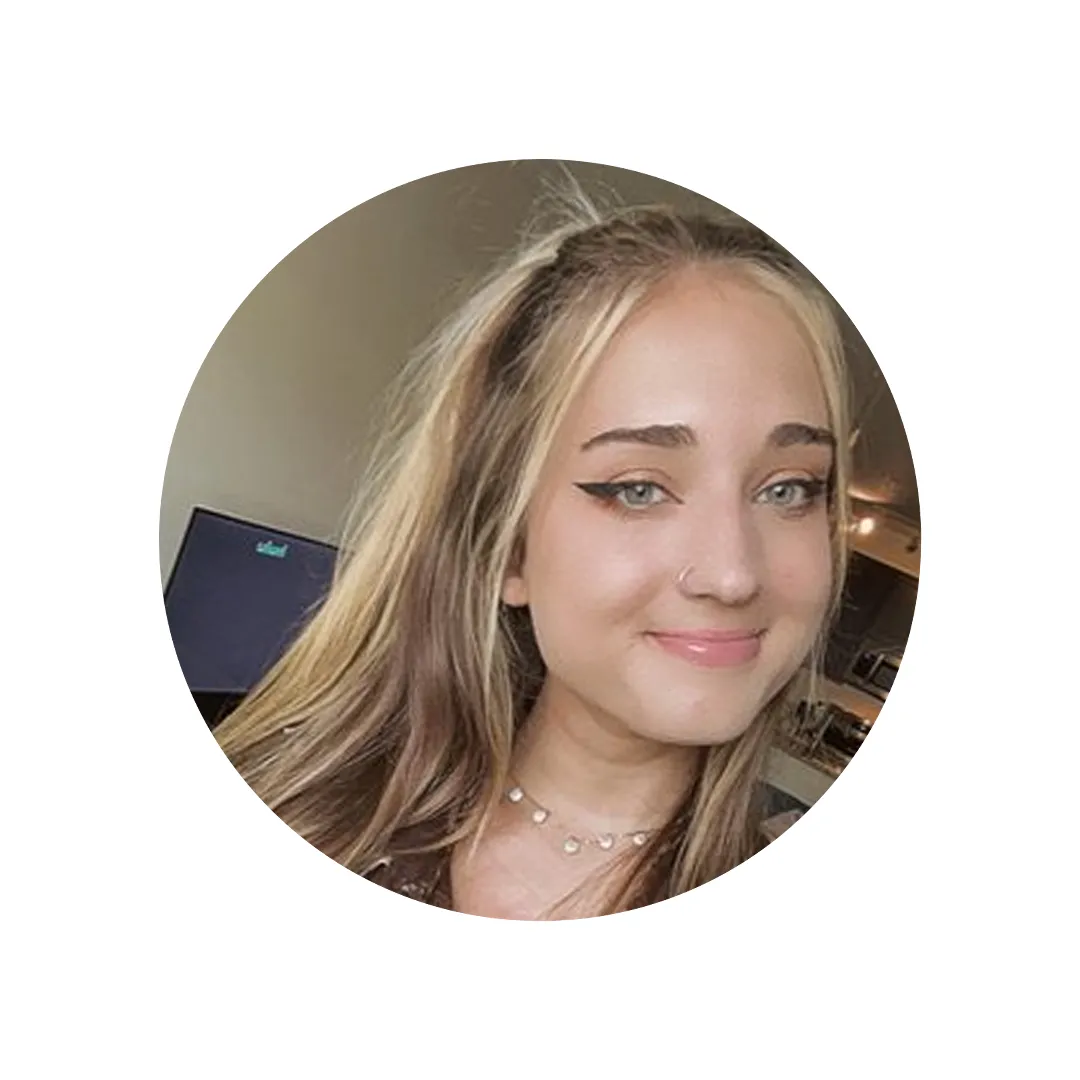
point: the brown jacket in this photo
(424, 877)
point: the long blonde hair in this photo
(388, 726)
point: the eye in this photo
(792, 494)
(639, 494)
(629, 494)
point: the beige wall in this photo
(276, 419)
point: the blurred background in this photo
(274, 432)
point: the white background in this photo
(159, 920)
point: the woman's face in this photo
(677, 562)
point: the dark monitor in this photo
(237, 596)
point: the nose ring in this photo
(680, 581)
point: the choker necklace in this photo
(573, 843)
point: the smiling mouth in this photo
(710, 648)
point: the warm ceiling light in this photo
(880, 492)
(865, 526)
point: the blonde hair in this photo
(388, 726)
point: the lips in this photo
(710, 648)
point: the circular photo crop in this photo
(540, 540)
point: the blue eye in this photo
(792, 494)
(634, 496)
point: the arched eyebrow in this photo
(797, 434)
(675, 436)
(666, 436)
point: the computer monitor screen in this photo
(237, 596)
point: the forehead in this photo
(707, 350)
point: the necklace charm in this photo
(571, 845)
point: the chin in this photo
(719, 723)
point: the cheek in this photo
(582, 567)
(801, 572)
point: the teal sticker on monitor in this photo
(268, 547)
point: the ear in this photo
(514, 592)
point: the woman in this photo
(600, 543)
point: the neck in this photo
(587, 768)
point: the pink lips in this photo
(711, 648)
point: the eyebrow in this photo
(797, 434)
(668, 436)
(674, 436)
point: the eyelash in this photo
(612, 494)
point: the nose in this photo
(723, 556)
